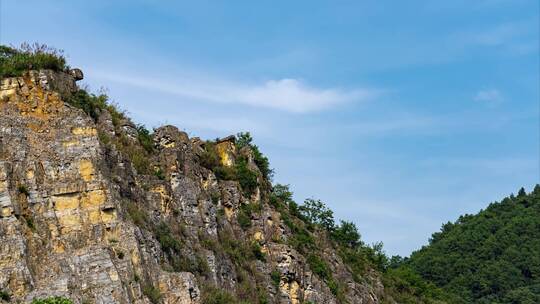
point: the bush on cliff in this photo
(245, 139)
(52, 300)
(15, 61)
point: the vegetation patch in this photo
(490, 257)
(212, 295)
(4, 296)
(14, 61)
(23, 190)
(152, 294)
(52, 300)
(245, 139)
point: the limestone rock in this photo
(77, 220)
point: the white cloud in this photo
(291, 95)
(489, 96)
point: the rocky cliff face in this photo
(79, 217)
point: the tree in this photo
(316, 212)
(347, 234)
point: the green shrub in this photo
(52, 300)
(4, 295)
(224, 173)
(91, 104)
(159, 174)
(346, 234)
(152, 294)
(168, 242)
(244, 219)
(138, 216)
(356, 260)
(319, 267)
(316, 212)
(15, 61)
(275, 275)
(209, 158)
(256, 250)
(145, 138)
(215, 196)
(217, 296)
(23, 190)
(245, 139)
(246, 177)
(29, 221)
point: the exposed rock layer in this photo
(65, 197)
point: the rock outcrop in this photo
(77, 219)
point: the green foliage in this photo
(159, 174)
(15, 61)
(490, 257)
(244, 214)
(152, 294)
(91, 104)
(346, 234)
(246, 177)
(94, 105)
(23, 190)
(302, 240)
(4, 296)
(275, 275)
(30, 222)
(245, 140)
(168, 242)
(218, 296)
(256, 250)
(145, 138)
(52, 300)
(138, 216)
(375, 254)
(244, 219)
(405, 286)
(215, 196)
(319, 267)
(209, 158)
(282, 193)
(316, 212)
(240, 172)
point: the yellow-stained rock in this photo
(226, 151)
(228, 212)
(30, 174)
(6, 211)
(70, 143)
(258, 236)
(108, 216)
(69, 222)
(164, 198)
(66, 202)
(292, 290)
(86, 170)
(84, 131)
(93, 198)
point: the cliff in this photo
(95, 209)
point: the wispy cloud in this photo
(287, 94)
(490, 96)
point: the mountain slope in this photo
(490, 257)
(97, 209)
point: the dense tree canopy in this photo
(490, 257)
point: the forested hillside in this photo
(490, 257)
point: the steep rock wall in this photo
(77, 220)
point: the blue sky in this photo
(400, 115)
